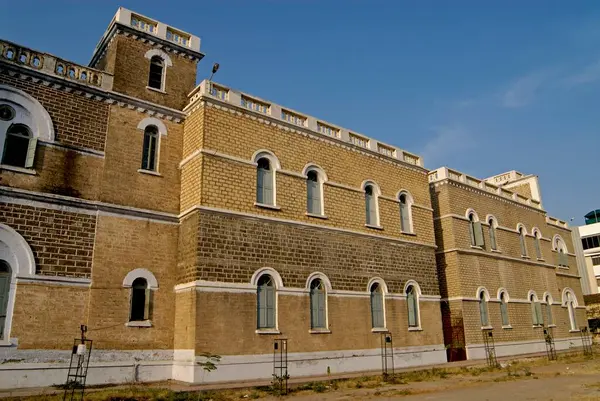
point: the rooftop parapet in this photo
(290, 117)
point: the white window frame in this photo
(566, 294)
(486, 297)
(533, 299)
(418, 293)
(384, 290)
(558, 244)
(328, 289)
(278, 283)
(492, 223)
(275, 167)
(321, 179)
(537, 236)
(166, 63)
(521, 226)
(376, 195)
(501, 292)
(409, 204)
(152, 286)
(162, 131)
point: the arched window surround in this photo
(130, 281)
(406, 222)
(278, 285)
(323, 326)
(384, 291)
(547, 299)
(522, 232)
(560, 247)
(165, 60)
(475, 229)
(569, 301)
(161, 129)
(492, 222)
(504, 299)
(372, 202)
(416, 324)
(537, 236)
(483, 296)
(321, 179)
(274, 166)
(536, 309)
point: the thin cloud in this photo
(447, 143)
(589, 74)
(524, 90)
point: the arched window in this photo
(492, 233)
(412, 300)
(150, 149)
(571, 305)
(504, 309)
(405, 213)
(536, 311)
(318, 304)
(472, 228)
(314, 196)
(19, 146)
(371, 205)
(536, 243)
(5, 276)
(475, 229)
(483, 310)
(549, 318)
(521, 230)
(265, 299)
(155, 78)
(140, 300)
(561, 250)
(264, 182)
(377, 319)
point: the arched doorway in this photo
(5, 275)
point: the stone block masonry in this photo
(62, 242)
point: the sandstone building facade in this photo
(175, 220)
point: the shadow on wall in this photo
(62, 181)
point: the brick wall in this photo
(78, 121)
(126, 60)
(62, 242)
(232, 248)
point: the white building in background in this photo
(590, 243)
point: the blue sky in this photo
(481, 86)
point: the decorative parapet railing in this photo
(51, 65)
(286, 115)
(557, 222)
(444, 173)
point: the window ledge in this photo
(267, 331)
(319, 331)
(8, 343)
(574, 331)
(537, 326)
(379, 330)
(487, 328)
(409, 233)
(16, 169)
(316, 216)
(476, 247)
(415, 328)
(149, 172)
(563, 267)
(374, 227)
(495, 250)
(551, 325)
(140, 323)
(540, 259)
(265, 206)
(156, 90)
(507, 327)
(525, 257)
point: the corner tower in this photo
(149, 59)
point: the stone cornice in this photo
(118, 28)
(205, 101)
(101, 95)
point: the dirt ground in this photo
(573, 378)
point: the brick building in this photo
(505, 267)
(175, 220)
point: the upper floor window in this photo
(318, 304)
(405, 212)
(591, 242)
(549, 317)
(150, 152)
(377, 313)
(561, 249)
(536, 242)
(371, 204)
(314, 191)
(521, 231)
(492, 233)
(19, 146)
(475, 229)
(265, 300)
(156, 75)
(264, 182)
